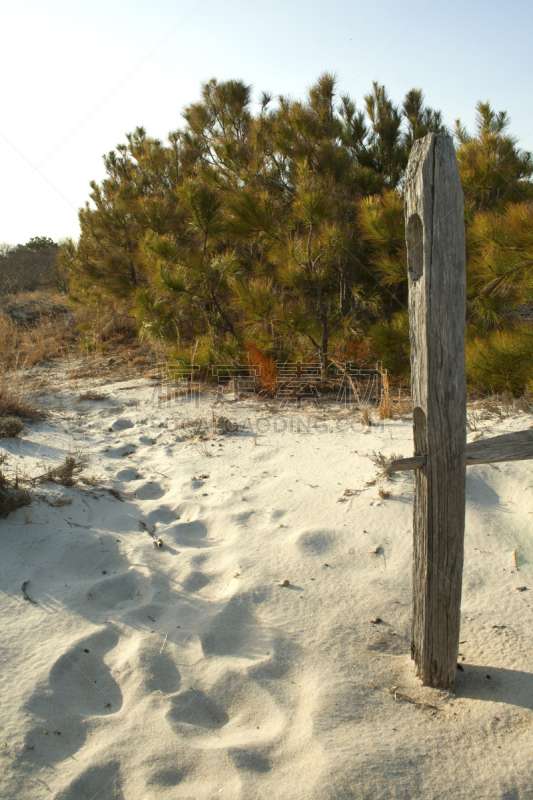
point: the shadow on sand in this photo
(494, 684)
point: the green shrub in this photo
(390, 344)
(501, 361)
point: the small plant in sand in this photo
(365, 415)
(66, 473)
(10, 427)
(203, 449)
(383, 463)
(11, 495)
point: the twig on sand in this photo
(144, 527)
(164, 643)
(406, 699)
(26, 595)
(348, 493)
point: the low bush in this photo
(10, 427)
(501, 361)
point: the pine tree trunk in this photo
(325, 334)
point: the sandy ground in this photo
(190, 670)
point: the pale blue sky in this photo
(77, 76)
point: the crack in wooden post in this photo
(436, 258)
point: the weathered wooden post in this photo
(437, 308)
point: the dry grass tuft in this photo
(386, 408)
(383, 463)
(11, 496)
(93, 396)
(10, 427)
(365, 415)
(14, 404)
(66, 473)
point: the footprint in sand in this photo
(100, 781)
(189, 534)
(194, 707)
(236, 631)
(151, 490)
(195, 581)
(316, 542)
(251, 760)
(165, 777)
(128, 474)
(79, 685)
(121, 424)
(158, 671)
(164, 515)
(117, 592)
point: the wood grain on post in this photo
(437, 308)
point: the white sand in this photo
(187, 671)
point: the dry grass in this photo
(10, 427)
(43, 329)
(499, 406)
(92, 396)
(383, 463)
(503, 405)
(66, 473)
(37, 327)
(13, 403)
(365, 415)
(196, 423)
(11, 495)
(386, 408)
(12, 498)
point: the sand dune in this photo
(190, 671)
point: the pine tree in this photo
(494, 171)
(500, 266)
(421, 119)
(284, 230)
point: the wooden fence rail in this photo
(516, 446)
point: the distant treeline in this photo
(30, 266)
(279, 233)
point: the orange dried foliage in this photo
(267, 380)
(358, 352)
